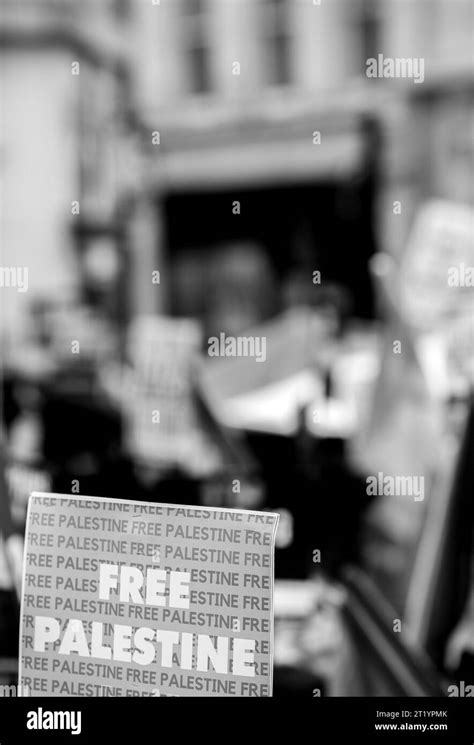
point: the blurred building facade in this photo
(191, 122)
(64, 93)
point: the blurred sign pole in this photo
(229, 439)
(391, 666)
(148, 292)
(442, 570)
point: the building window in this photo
(277, 40)
(196, 26)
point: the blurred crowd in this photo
(332, 403)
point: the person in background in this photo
(241, 289)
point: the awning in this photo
(337, 158)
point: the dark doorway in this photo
(300, 228)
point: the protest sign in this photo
(436, 284)
(399, 434)
(125, 598)
(437, 267)
(162, 420)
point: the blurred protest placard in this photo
(437, 267)
(125, 598)
(399, 436)
(161, 416)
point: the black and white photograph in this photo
(237, 367)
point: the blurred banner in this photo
(269, 397)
